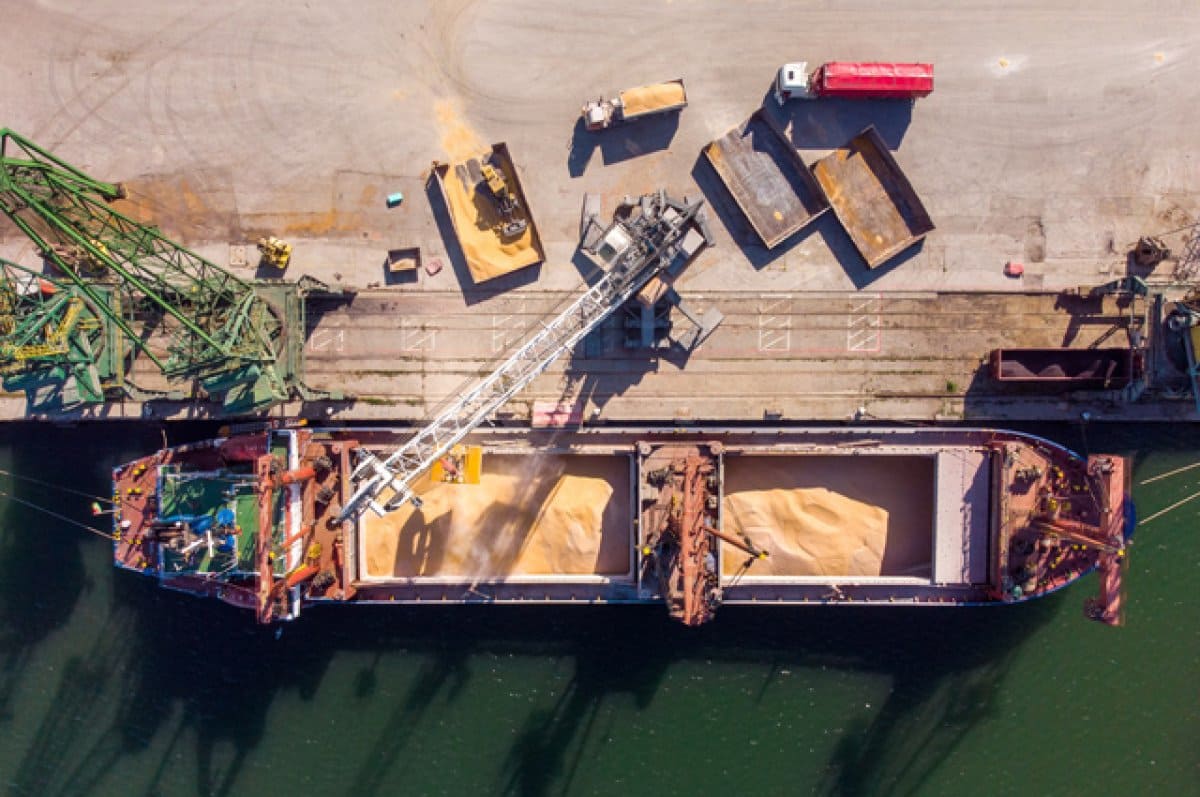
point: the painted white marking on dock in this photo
(508, 330)
(416, 338)
(328, 340)
(864, 323)
(775, 324)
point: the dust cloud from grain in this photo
(459, 140)
(529, 515)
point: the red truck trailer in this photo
(855, 80)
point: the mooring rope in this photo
(1169, 473)
(53, 486)
(52, 513)
(1162, 512)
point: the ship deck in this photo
(904, 515)
(882, 515)
(205, 496)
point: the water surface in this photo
(109, 686)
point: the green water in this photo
(109, 686)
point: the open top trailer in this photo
(767, 178)
(872, 198)
(490, 214)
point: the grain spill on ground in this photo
(459, 140)
(328, 222)
(175, 205)
(194, 211)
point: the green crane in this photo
(55, 343)
(197, 323)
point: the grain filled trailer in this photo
(489, 213)
(632, 104)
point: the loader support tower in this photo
(55, 343)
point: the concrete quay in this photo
(1056, 136)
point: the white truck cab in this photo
(792, 82)
(598, 114)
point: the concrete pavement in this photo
(1056, 136)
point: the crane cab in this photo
(460, 465)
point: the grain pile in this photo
(488, 255)
(811, 532)
(652, 98)
(831, 515)
(529, 515)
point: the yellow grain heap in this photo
(652, 98)
(809, 532)
(831, 516)
(528, 516)
(475, 220)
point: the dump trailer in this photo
(767, 178)
(854, 80)
(872, 198)
(1100, 369)
(634, 104)
(490, 214)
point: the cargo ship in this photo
(692, 518)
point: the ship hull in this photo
(771, 516)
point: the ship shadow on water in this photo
(146, 668)
(167, 666)
(31, 553)
(945, 665)
(944, 678)
(42, 570)
(610, 658)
